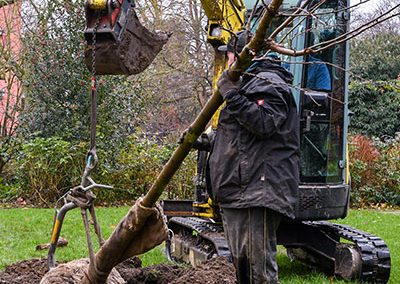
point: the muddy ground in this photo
(214, 271)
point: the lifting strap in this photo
(82, 196)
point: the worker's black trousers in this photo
(251, 234)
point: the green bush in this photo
(47, 167)
(7, 191)
(136, 167)
(388, 170)
(376, 107)
(376, 57)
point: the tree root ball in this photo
(72, 272)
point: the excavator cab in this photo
(320, 89)
(322, 99)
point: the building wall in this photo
(10, 85)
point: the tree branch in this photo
(272, 45)
(326, 13)
(289, 20)
(6, 2)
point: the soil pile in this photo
(215, 271)
(28, 271)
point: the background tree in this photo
(366, 12)
(375, 66)
(180, 77)
(176, 85)
(57, 82)
(375, 54)
(376, 57)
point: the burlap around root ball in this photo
(73, 272)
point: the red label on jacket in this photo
(260, 102)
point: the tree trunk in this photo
(138, 232)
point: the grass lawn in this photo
(22, 229)
(384, 224)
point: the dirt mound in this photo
(27, 272)
(216, 270)
(156, 274)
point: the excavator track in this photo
(344, 251)
(200, 239)
(374, 253)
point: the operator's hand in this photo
(226, 86)
(202, 143)
(182, 137)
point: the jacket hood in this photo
(268, 65)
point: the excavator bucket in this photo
(120, 43)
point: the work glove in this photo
(150, 234)
(202, 143)
(226, 86)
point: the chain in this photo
(94, 34)
(91, 157)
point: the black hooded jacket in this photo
(254, 161)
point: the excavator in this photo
(119, 44)
(196, 230)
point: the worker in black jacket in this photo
(254, 165)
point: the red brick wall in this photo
(10, 86)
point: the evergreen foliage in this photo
(48, 167)
(376, 57)
(376, 108)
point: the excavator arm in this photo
(224, 17)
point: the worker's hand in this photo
(226, 86)
(150, 228)
(182, 137)
(202, 143)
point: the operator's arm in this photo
(264, 112)
(318, 78)
(262, 120)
